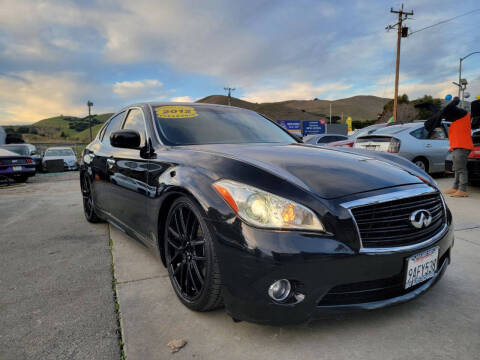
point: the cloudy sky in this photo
(57, 54)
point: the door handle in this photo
(428, 145)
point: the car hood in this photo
(326, 172)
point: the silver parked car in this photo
(65, 153)
(411, 141)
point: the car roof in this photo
(22, 144)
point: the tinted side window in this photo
(113, 125)
(134, 121)
(420, 133)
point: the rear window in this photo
(390, 130)
(59, 152)
(20, 150)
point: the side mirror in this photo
(128, 139)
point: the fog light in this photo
(280, 290)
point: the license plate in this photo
(17, 168)
(421, 266)
(371, 147)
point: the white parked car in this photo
(65, 153)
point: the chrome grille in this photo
(387, 224)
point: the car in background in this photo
(473, 164)
(64, 153)
(26, 150)
(363, 131)
(15, 166)
(323, 139)
(411, 141)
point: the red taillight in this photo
(29, 161)
(349, 145)
(394, 146)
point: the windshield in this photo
(196, 125)
(20, 150)
(59, 152)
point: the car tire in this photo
(21, 179)
(190, 257)
(422, 163)
(88, 205)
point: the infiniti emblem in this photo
(421, 218)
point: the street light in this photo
(462, 83)
(90, 104)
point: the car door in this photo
(101, 150)
(127, 179)
(438, 146)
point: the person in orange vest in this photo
(461, 144)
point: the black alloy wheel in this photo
(190, 257)
(88, 207)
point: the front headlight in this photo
(262, 209)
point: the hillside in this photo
(358, 107)
(62, 128)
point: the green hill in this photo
(65, 128)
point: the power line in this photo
(444, 21)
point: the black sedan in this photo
(243, 215)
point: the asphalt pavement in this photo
(56, 298)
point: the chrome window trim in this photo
(397, 195)
(154, 124)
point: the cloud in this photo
(30, 96)
(296, 90)
(182, 99)
(140, 89)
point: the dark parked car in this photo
(15, 166)
(243, 215)
(26, 150)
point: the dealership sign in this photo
(293, 125)
(313, 127)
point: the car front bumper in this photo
(332, 277)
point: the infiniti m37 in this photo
(244, 216)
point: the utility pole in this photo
(229, 89)
(90, 104)
(462, 83)
(330, 113)
(401, 32)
